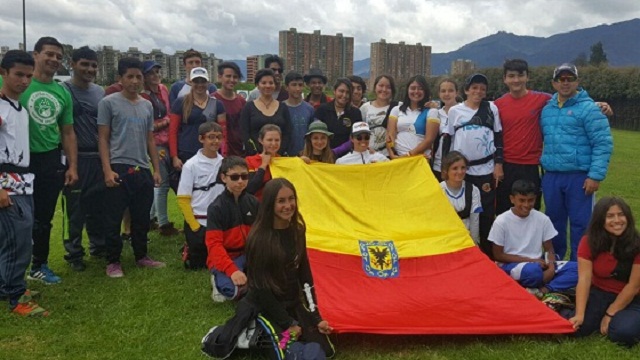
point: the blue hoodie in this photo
(577, 137)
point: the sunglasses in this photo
(276, 70)
(236, 177)
(363, 137)
(569, 78)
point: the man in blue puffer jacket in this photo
(577, 149)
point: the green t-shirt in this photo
(50, 107)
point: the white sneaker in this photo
(215, 294)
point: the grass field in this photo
(163, 314)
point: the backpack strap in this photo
(468, 194)
(210, 112)
(483, 117)
(392, 104)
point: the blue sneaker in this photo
(44, 274)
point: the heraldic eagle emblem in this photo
(379, 258)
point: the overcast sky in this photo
(233, 29)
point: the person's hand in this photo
(548, 273)
(576, 321)
(5, 199)
(432, 105)
(605, 108)
(238, 278)
(498, 173)
(266, 159)
(590, 186)
(543, 264)
(305, 159)
(157, 178)
(604, 325)
(111, 178)
(324, 328)
(70, 177)
(177, 163)
(295, 331)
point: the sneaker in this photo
(44, 274)
(150, 263)
(153, 224)
(114, 270)
(27, 307)
(557, 301)
(78, 265)
(215, 294)
(168, 230)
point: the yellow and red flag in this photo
(389, 255)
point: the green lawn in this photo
(163, 314)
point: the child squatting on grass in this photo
(229, 219)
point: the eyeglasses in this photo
(236, 177)
(214, 137)
(363, 137)
(562, 79)
(276, 70)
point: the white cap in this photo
(199, 72)
(360, 127)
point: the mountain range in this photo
(620, 41)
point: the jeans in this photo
(624, 327)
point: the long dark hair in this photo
(627, 245)
(406, 102)
(265, 256)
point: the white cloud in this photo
(237, 28)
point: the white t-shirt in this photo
(522, 236)
(474, 141)
(366, 157)
(444, 124)
(14, 142)
(407, 137)
(200, 171)
(457, 200)
(374, 117)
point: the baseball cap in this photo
(148, 65)
(476, 78)
(359, 128)
(566, 67)
(199, 72)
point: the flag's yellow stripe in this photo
(342, 204)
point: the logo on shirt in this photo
(44, 108)
(379, 259)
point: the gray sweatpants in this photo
(16, 225)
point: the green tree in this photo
(581, 60)
(598, 56)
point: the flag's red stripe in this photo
(456, 293)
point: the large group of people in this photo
(119, 151)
